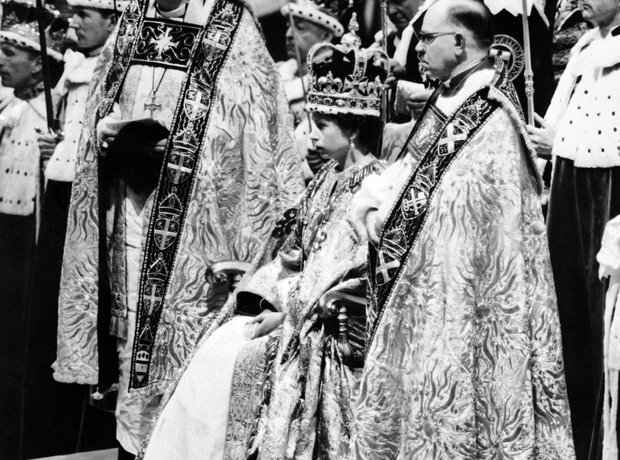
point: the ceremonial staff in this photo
(523, 7)
(52, 123)
(528, 74)
(291, 22)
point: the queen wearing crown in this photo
(276, 378)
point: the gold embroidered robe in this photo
(280, 407)
(247, 173)
(466, 361)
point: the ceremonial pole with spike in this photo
(528, 73)
(522, 7)
(52, 123)
(385, 98)
(299, 64)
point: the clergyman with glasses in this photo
(464, 356)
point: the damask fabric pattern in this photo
(247, 176)
(250, 388)
(309, 409)
(333, 252)
(76, 358)
(467, 360)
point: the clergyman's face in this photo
(308, 35)
(436, 53)
(329, 140)
(17, 66)
(599, 12)
(401, 12)
(91, 27)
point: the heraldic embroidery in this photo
(408, 215)
(167, 44)
(203, 52)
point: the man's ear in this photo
(37, 65)
(459, 41)
(110, 22)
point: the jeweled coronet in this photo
(346, 78)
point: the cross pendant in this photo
(152, 106)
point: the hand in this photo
(106, 133)
(398, 72)
(160, 147)
(542, 137)
(263, 324)
(47, 145)
(415, 102)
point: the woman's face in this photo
(329, 140)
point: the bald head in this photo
(470, 15)
(453, 35)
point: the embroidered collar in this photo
(30, 92)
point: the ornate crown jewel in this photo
(20, 27)
(345, 80)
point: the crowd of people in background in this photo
(309, 229)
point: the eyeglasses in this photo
(426, 38)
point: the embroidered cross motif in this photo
(416, 202)
(194, 107)
(214, 45)
(178, 172)
(153, 297)
(451, 138)
(166, 230)
(384, 267)
(163, 43)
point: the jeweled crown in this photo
(20, 27)
(344, 78)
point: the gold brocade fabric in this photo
(248, 175)
(467, 359)
(305, 405)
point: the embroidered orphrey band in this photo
(408, 216)
(173, 194)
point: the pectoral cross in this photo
(152, 106)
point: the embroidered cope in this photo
(464, 358)
(230, 169)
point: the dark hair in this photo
(369, 129)
(476, 17)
